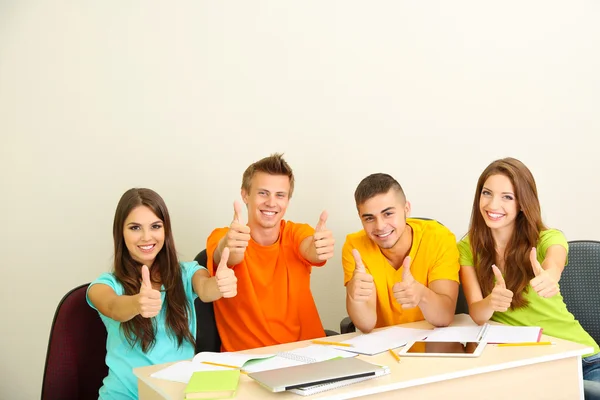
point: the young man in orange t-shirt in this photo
(272, 260)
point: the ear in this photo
(244, 196)
(407, 209)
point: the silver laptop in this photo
(337, 369)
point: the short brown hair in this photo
(272, 165)
(375, 184)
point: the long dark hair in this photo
(528, 225)
(165, 269)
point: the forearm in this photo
(554, 270)
(123, 308)
(208, 290)
(309, 252)
(362, 314)
(438, 309)
(481, 311)
(234, 258)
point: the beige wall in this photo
(98, 97)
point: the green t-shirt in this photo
(550, 314)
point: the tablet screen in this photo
(443, 347)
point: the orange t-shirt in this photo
(274, 303)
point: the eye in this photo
(508, 197)
(134, 228)
(486, 193)
(262, 193)
(388, 214)
(281, 195)
(157, 226)
(368, 219)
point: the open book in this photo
(209, 361)
(486, 333)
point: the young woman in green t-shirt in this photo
(511, 263)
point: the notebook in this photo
(383, 340)
(323, 372)
(213, 384)
(183, 370)
(486, 333)
(304, 355)
(314, 389)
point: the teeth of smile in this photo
(269, 213)
(147, 247)
(493, 215)
(384, 235)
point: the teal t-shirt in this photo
(551, 313)
(121, 358)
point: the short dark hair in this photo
(272, 165)
(374, 185)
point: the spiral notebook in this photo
(314, 389)
(304, 355)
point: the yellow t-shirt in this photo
(434, 256)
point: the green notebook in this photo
(213, 384)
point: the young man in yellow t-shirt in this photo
(397, 270)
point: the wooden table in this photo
(536, 372)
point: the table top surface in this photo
(410, 371)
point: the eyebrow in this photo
(382, 211)
(153, 223)
(490, 190)
(268, 191)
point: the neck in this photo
(502, 237)
(401, 249)
(264, 236)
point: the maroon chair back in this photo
(75, 360)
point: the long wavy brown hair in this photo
(165, 270)
(528, 225)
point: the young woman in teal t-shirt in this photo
(511, 263)
(147, 302)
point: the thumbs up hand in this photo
(323, 239)
(226, 279)
(238, 236)
(501, 297)
(543, 284)
(408, 293)
(148, 300)
(361, 286)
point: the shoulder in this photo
(358, 239)
(218, 232)
(431, 229)
(464, 249)
(295, 230)
(189, 268)
(111, 280)
(550, 234)
(550, 237)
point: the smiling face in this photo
(144, 235)
(267, 199)
(498, 203)
(383, 218)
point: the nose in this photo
(271, 200)
(145, 234)
(379, 224)
(494, 202)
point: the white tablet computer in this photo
(442, 349)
